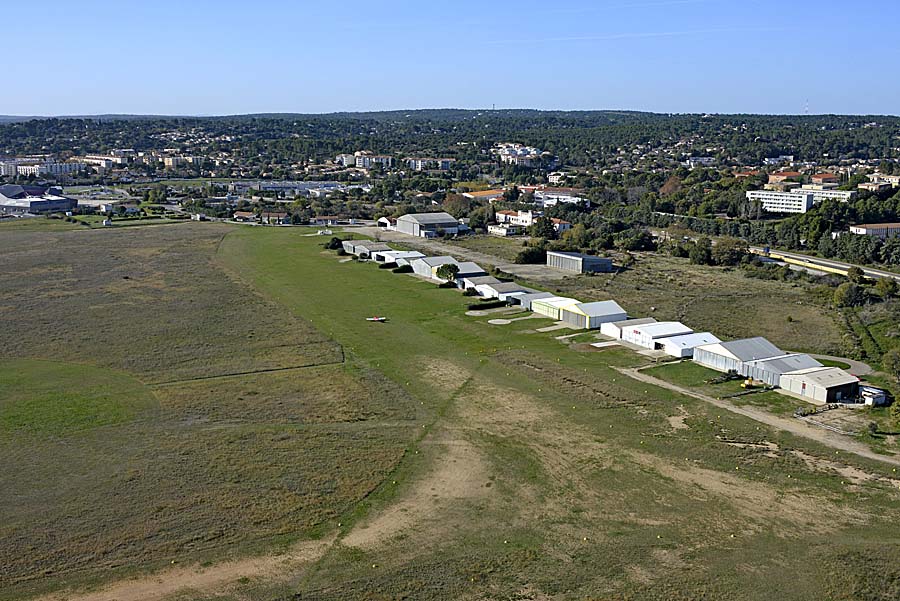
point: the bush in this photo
(387, 266)
(448, 284)
(470, 292)
(531, 256)
(494, 304)
(403, 269)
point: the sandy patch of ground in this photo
(218, 577)
(678, 421)
(460, 473)
(445, 375)
(499, 322)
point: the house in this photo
(325, 220)
(505, 229)
(526, 300)
(730, 356)
(821, 385)
(614, 329)
(745, 174)
(561, 225)
(825, 178)
(683, 346)
(551, 306)
(426, 266)
(557, 177)
(276, 218)
(469, 282)
(578, 263)
(590, 316)
(782, 176)
(650, 335)
(428, 225)
(549, 197)
(485, 195)
(520, 218)
(245, 216)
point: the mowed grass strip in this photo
(58, 399)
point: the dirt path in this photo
(793, 426)
(159, 586)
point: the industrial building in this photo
(400, 257)
(590, 316)
(730, 356)
(876, 230)
(650, 335)
(364, 247)
(469, 282)
(526, 300)
(770, 370)
(34, 199)
(501, 290)
(427, 225)
(683, 346)
(468, 269)
(426, 266)
(614, 329)
(821, 385)
(578, 263)
(551, 306)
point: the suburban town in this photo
(456, 301)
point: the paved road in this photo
(794, 426)
(869, 271)
(528, 272)
(857, 368)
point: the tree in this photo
(448, 271)
(730, 251)
(891, 363)
(543, 228)
(701, 252)
(886, 287)
(856, 275)
(849, 295)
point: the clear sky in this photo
(213, 57)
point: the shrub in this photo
(493, 304)
(448, 284)
(531, 255)
(470, 292)
(387, 266)
(403, 269)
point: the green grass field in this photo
(451, 458)
(504, 248)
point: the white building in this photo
(427, 266)
(557, 177)
(427, 225)
(876, 230)
(822, 192)
(782, 202)
(590, 316)
(614, 329)
(650, 335)
(549, 197)
(551, 306)
(880, 178)
(520, 218)
(821, 385)
(683, 346)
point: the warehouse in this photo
(650, 335)
(426, 265)
(683, 346)
(770, 370)
(614, 329)
(590, 316)
(730, 356)
(821, 385)
(427, 225)
(34, 199)
(501, 290)
(395, 256)
(550, 307)
(368, 247)
(526, 300)
(469, 282)
(578, 263)
(467, 269)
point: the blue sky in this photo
(227, 56)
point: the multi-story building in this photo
(880, 178)
(876, 230)
(424, 164)
(782, 202)
(825, 192)
(557, 177)
(367, 160)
